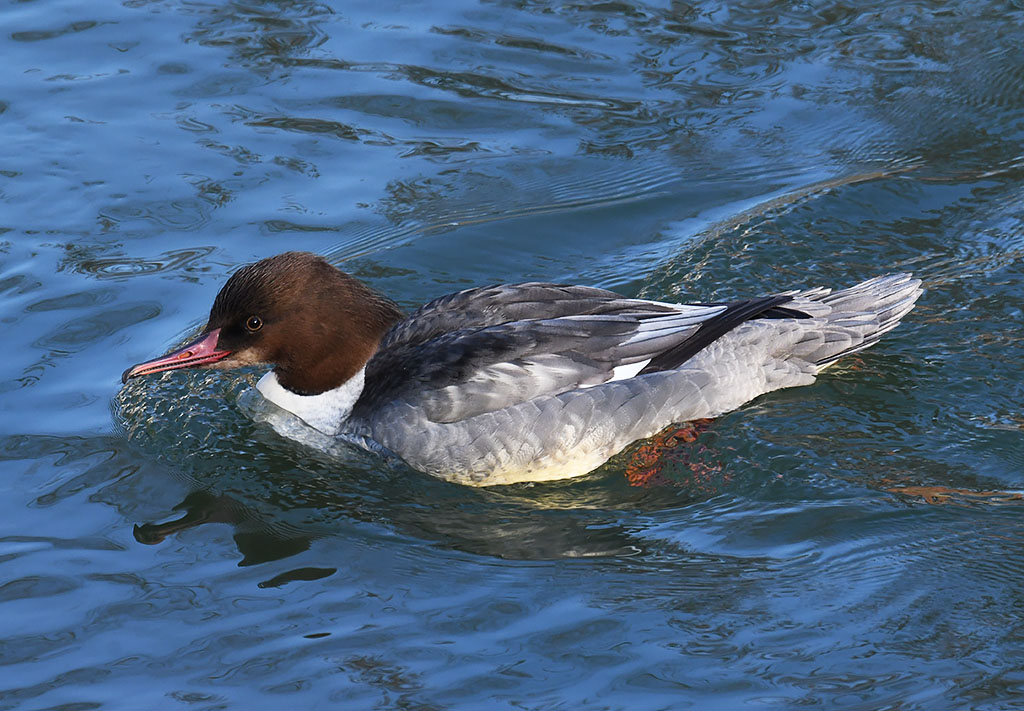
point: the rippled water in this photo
(854, 544)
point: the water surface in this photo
(855, 544)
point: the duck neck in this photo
(326, 412)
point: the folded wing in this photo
(486, 349)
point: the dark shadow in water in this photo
(265, 530)
(278, 512)
(279, 495)
(256, 541)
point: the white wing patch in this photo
(621, 372)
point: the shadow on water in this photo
(277, 494)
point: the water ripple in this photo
(124, 267)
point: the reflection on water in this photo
(256, 541)
(273, 479)
(853, 543)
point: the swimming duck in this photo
(519, 382)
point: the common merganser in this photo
(521, 382)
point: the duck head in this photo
(314, 323)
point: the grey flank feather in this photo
(505, 401)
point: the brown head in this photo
(315, 324)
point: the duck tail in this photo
(853, 319)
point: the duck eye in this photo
(254, 323)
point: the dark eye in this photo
(254, 323)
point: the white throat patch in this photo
(326, 412)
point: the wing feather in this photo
(484, 349)
(490, 348)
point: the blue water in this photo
(855, 544)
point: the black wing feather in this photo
(738, 312)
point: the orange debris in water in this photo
(648, 461)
